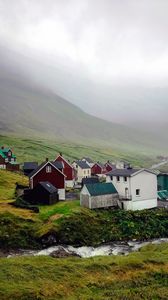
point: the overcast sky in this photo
(107, 56)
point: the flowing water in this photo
(115, 248)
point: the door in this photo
(126, 193)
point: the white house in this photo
(83, 170)
(89, 161)
(137, 188)
(98, 195)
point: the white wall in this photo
(83, 173)
(147, 183)
(85, 192)
(3, 167)
(69, 183)
(61, 193)
(120, 185)
(144, 181)
(139, 205)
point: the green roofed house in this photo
(8, 160)
(98, 195)
(162, 181)
(163, 195)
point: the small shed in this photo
(98, 195)
(43, 193)
(29, 166)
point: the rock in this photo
(61, 253)
(49, 240)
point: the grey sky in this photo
(97, 53)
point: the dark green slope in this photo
(29, 110)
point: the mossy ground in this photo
(70, 223)
(141, 275)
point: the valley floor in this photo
(141, 275)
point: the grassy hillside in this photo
(38, 149)
(30, 110)
(164, 168)
(141, 275)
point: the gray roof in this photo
(101, 189)
(100, 164)
(110, 164)
(82, 164)
(30, 165)
(90, 180)
(88, 159)
(48, 186)
(122, 172)
(57, 164)
(37, 169)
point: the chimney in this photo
(60, 153)
(46, 158)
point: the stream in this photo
(114, 248)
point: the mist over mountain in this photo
(30, 109)
(108, 59)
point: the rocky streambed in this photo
(114, 248)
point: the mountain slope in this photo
(31, 110)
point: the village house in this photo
(68, 171)
(137, 188)
(122, 165)
(162, 179)
(98, 195)
(82, 169)
(162, 182)
(53, 173)
(109, 166)
(44, 193)
(98, 169)
(88, 160)
(8, 160)
(29, 167)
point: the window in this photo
(84, 172)
(125, 179)
(88, 171)
(118, 178)
(9, 153)
(137, 192)
(48, 169)
(111, 177)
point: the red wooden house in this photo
(68, 171)
(98, 169)
(52, 172)
(109, 166)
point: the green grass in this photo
(64, 208)
(164, 168)
(8, 183)
(37, 150)
(141, 275)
